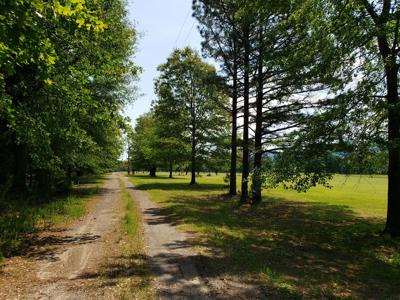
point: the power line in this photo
(183, 25)
(190, 31)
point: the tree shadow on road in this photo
(47, 248)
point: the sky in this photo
(163, 26)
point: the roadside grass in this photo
(322, 248)
(21, 218)
(137, 282)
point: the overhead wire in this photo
(183, 25)
(190, 31)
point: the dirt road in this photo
(64, 270)
(69, 263)
(66, 263)
(171, 258)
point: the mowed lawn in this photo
(366, 195)
(324, 244)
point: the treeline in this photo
(64, 74)
(187, 128)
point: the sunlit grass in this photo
(322, 244)
(365, 195)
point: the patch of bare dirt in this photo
(69, 263)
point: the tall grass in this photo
(21, 218)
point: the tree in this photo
(219, 27)
(273, 78)
(189, 95)
(64, 72)
(364, 56)
(171, 145)
(227, 29)
(144, 144)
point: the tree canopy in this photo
(188, 115)
(65, 69)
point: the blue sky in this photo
(164, 25)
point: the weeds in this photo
(137, 283)
(22, 217)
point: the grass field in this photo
(365, 195)
(21, 218)
(324, 244)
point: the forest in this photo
(266, 167)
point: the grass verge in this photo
(286, 247)
(21, 218)
(137, 282)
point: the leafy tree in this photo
(360, 46)
(144, 145)
(274, 74)
(153, 145)
(189, 96)
(171, 146)
(219, 27)
(64, 72)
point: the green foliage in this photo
(187, 123)
(190, 107)
(149, 148)
(65, 68)
(284, 79)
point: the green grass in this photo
(318, 245)
(366, 195)
(137, 282)
(21, 218)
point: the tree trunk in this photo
(393, 210)
(232, 178)
(152, 171)
(256, 182)
(246, 91)
(170, 169)
(44, 184)
(20, 168)
(388, 55)
(193, 162)
(193, 137)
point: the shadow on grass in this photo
(170, 186)
(22, 218)
(146, 176)
(289, 249)
(92, 179)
